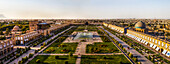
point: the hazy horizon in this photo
(84, 9)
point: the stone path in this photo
(8, 53)
(31, 41)
(140, 57)
(50, 54)
(81, 48)
(83, 54)
(78, 61)
(23, 55)
(105, 54)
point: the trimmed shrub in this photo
(56, 57)
(38, 61)
(130, 55)
(30, 55)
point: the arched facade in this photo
(156, 43)
(6, 46)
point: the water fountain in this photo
(84, 35)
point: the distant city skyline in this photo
(84, 9)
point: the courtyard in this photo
(83, 44)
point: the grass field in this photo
(89, 28)
(104, 59)
(61, 48)
(46, 59)
(104, 47)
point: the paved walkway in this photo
(156, 52)
(83, 54)
(105, 54)
(46, 46)
(78, 61)
(140, 57)
(8, 53)
(119, 48)
(150, 48)
(50, 54)
(23, 55)
(27, 44)
(81, 48)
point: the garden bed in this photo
(62, 48)
(53, 59)
(104, 47)
(104, 59)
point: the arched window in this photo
(162, 44)
(159, 42)
(166, 46)
(155, 41)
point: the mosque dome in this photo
(140, 25)
(16, 28)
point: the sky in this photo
(84, 9)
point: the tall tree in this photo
(1, 33)
(70, 55)
(7, 31)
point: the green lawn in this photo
(104, 47)
(89, 28)
(61, 48)
(46, 59)
(104, 59)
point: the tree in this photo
(130, 55)
(38, 61)
(152, 59)
(1, 62)
(90, 49)
(70, 55)
(139, 63)
(20, 62)
(56, 57)
(26, 58)
(121, 62)
(1, 32)
(44, 44)
(149, 57)
(135, 59)
(30, 55)
(66, 62)
(29, 48)
(7, 31)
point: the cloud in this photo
(2, 16)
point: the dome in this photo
(140, 24)
(16, 28)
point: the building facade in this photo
(33, 25)
(6, 46)
(156, 43)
